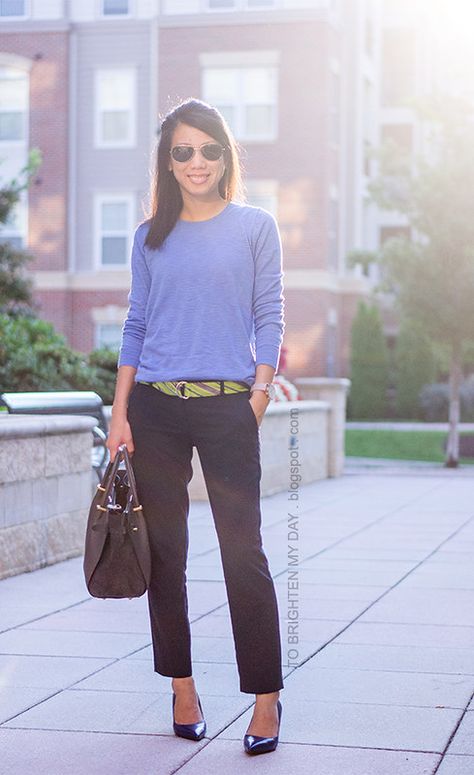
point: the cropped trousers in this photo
(225, 432)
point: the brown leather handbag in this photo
(117, 559)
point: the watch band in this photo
(267, 387)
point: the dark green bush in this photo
(33, 356)
(369, 366)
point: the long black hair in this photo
(166, 199)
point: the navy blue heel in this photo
(194, 731)
(254, 744)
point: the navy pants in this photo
(225, 432)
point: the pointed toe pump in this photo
(194, 731)
(254, 744)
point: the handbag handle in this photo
(105, 485)
(131, 476)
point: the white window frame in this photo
(99, 200)
(131, 140)
(102, 15)
(25, 15)
(211, 62)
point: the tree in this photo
(369, 364)
(432, 275)
(15, 287)
(414, 367)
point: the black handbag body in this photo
(117, 559)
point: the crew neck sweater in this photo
(209, 303)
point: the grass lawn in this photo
(398, 445)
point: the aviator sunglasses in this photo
(210, 151)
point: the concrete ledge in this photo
(334, 391)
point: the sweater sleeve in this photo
(268, 298)
(134, 327)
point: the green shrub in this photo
(33, 356)
(369, 365)
(103, 364)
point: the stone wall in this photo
(45, 489)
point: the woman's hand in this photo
(259, 402)
(119, 433)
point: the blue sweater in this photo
(209, 303)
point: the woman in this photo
(201, 342)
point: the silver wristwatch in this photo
(267, 387)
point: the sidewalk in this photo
(380, 682)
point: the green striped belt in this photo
(198, 389)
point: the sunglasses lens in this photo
(182, 152)
(212, 151)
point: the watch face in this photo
(271, 392)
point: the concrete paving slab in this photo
(427, 635)
(357, 724)
(14, 701)
(46, 752)
(379, 687)
(463, 740)
(423, 606)
(367, 575)
(86, 620)
(46, 672)
(360, 592)
(448, 576)
(307, 760)
(70, 644)
(399, 658)
(456, 765)
(125, 712)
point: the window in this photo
(12, 8)
(263, 193)
(13, 104)
(114, 226)
(115, 108)
(108, 335)
(247, 97)
(115, 7)
(13, 230)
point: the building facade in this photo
(296, 79)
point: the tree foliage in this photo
(15, 286)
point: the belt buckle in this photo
(178, 385)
